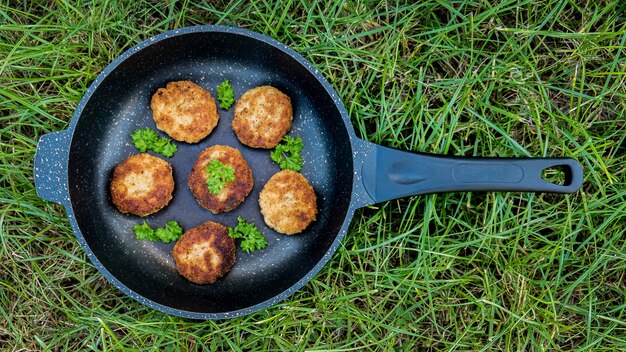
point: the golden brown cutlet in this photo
(234, 192)
(288, 202)
(262, 117)
(205, 253)
(142, 184)
(185, 111)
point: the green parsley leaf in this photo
(145, 232)
(171, 232)
(173, 227)
(287, 153)
(252, 237)
(158, 144)
(169, 149)
(219, 175)
(143, 139)
(164, 147)
(147, 138)
(162, 234)
(226, 95)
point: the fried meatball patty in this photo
(288, 202)
(204, 253)
(185, 111)
(142, 184)
(262, 117)
(233, 192)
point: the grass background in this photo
(476, 271)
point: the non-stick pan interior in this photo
(121, 103)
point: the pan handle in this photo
(50, 168)
(390, 174)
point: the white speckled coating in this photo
(51, 172)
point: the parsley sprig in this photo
(147, 138)
(287, 153)
(219, 175)
(171, 232)
(226, 95)
(252, 237)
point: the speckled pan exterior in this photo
(73, 167)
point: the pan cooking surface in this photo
(121, 103)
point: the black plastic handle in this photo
(390, 174)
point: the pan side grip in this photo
(389, 174)
(51, 162)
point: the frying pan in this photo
(74, 167)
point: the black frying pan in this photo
(73, 167)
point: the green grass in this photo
(475, 271)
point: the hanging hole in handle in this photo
(560, 175)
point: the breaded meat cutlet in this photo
(233, 192)
(205, 253)
(142, 184)
(185, 111)
(262, 117)
(288, 202)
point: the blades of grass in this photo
(411, 274)
(500, 131)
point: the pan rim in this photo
(359, 147)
